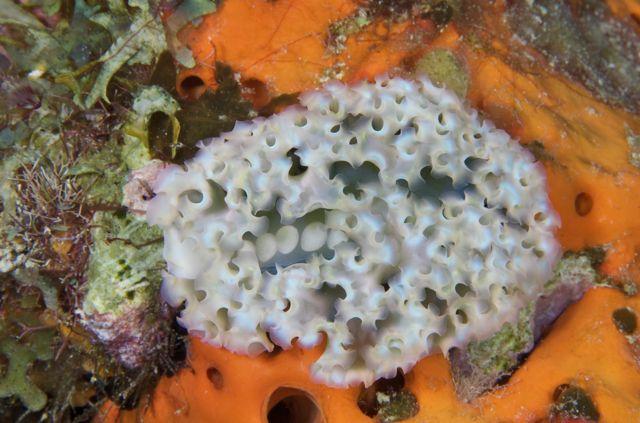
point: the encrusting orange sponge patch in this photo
(288, 48)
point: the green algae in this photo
(500, 354)
(85, 51)
(29, 276)
(445, 70)
(575, 267)
(140, 43)
(124, 269)
(396, 406)
(16, 381)
(485, 363)
(95, 52)
(23, 341)
(387, 400)
(102, 174)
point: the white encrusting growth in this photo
(385, 216)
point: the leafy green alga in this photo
(499, 354)
(23, 340)
(140, 43)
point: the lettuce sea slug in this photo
(386, 218)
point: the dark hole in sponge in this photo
(353, 177)
(625, 320)
(215, 377)
(389, 274)
(462, 289)
(433, 187)
(354, 122)
(291, 405)
(474, 163)
(194, 196)
(192, 87)
(583, 204)
(296, 167)
(277, 349)
(430, 297)
(387, 400)
(573, 402)
(218, 195)
(257, 91)
(332, 294)
(366, 173)
(440, 13)
(367, 400)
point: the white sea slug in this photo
(385, 217)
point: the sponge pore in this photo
(386, 218)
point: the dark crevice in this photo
(354, 177)
(431, 298)
(296, 167)
(332, 294)
(292, 405)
